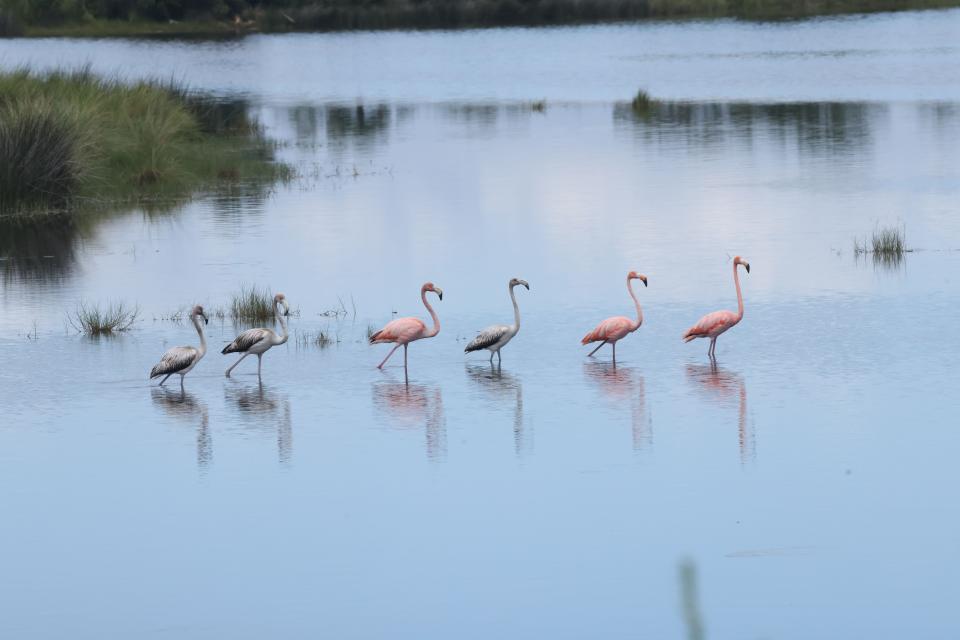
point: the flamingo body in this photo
(403, 331)
(400, 331)
(713, 324)
(182, 360)
(258, 341)
(496, 337)
(613, 329)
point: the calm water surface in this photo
(809, 479)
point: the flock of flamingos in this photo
(403, 331)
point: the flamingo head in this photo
(515, 281)
(633, 275)
(739, 260)
(282, 301)
(432, 287)
(198, 311)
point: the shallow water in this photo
(808, 478)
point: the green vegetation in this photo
(177, 17)
(71, 140)
(96, 321)
(887, 246)
(252, 303)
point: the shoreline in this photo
(322, 18)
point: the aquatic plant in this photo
(252, 303)
(95, 320)
(641, 102)
(887, 246)
(70, 138)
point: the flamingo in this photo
(713, 324)
(497, 336)
(617, 327)
(258, 341)
(182, 359)
(403, 331)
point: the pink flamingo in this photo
(713, 324)
(403, 331)
(617, 327)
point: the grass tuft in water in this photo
(252, 303)
(94, 320)
(887, 246)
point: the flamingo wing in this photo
(488, 337)
(610, 329)
(245, 340)
(400, 330)
(174, 360)
(710, 325)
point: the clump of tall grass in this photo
(95, 320)
(320, 339)
(70, 136)
(887, 246)
(252, 303)
(642, 102)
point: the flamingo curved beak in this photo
(439, 292)
(747, 265)
(525, 284)
(643, 279)
(206, 320)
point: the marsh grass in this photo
(887, 246)
(70, 139)
(252, 303)
(321, 339)
(94, 320)
(642, 103)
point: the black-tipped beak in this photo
(644, 282)
(527, 286)
(206, 320)
(441, 295)
(748, 267)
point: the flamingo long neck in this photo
(736, 281)
(636, 303)
(283, 324)
(516, 310)
(433, 314)
(203, 338)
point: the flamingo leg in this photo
(590, 355)
(259, 364)
(404, 360)
(395, 347)
(236, 363)
(614, 345)
(499, 357)
(165, 378)
(712, 351)
(182, 376)
(491, 355)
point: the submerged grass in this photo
(95, 320)
(70, 139)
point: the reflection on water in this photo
(624, 385)
(186, 407)
(414, 406)
(814, 128)
(500, 386)
(260, 408)
(726, 387)
(690, 600)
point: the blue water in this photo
(808, 479)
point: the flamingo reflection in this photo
(186, 407)
(414, 406)
(624, 384)
(261, 408)
(725, 387)
(503, 386)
